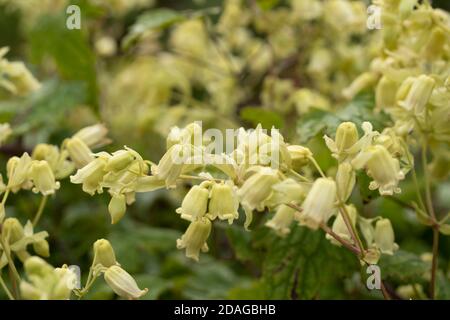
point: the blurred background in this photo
(143, 66)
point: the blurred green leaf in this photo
(69, 49)
(267, 4)
(46, 107)
(403, 267)
(153, 19)
(266, 118)
(359, 110)
(304, 264)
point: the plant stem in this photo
(5, 197)
(10, 261)
(434, 263)
(5, 288)
(38, 215)
(346, 244)
(429, 201)
(351, 228)
(314, 162)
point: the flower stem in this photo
(434, 263)
(38, 215)
(5, 288)
(10, 260)
(351, 228)
(314, 162)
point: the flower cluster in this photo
(261, 172)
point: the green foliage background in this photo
(241, 265)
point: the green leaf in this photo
(443, 286)
(304, 265)
(46, 107)
(359, 110)
(403, 267)
(267, 4)
(153, 19)
(69, 49)
(266, 118)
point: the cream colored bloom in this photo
(223, 202)
(171, 164)
(345, 181)
(414, 93)
(104, 253)
(282, 220)
(93, 136)
(79, 152)
(384, 237)
(318, 206)
(382, 167)
(17, 172)
(194, 239)
(43, 178)
(117, 207)
(195, 203)
(46, 282)
(122, 283)
(91, 176)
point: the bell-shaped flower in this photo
(122, 283)
(117, 207)
(282, 220)
(382, 167)
(45, 282)
(42, 176)
(79, 152)
(384, 237)
(299, 156)
(414, 93)
(93, 136)
(223, 202)
(194, 239)
(104, 254)
(318, 206)
(345, 181)
(17, 172)
(195, 203)
(171, 164)
(91, 175)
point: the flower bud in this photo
(299, 156)
(104, 253)
(384, 237)
(414, 93)
(122, 283)
(46, 152)
(282, 220)
(17, 171)
(194, 204)
(35, 266)
(385, 93)
(93, 136)
(194, 239)
(79, 152)
(224, 203)
(12, 230)
(346, 136)
(43, 178)
(345, 181)
(435, 46)
(117, 207)
(371, 256)
(340, 227)
(362, 82)
(91, 176)
(171, 164)
(319, 203)
(119, 160)
(41, 247)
